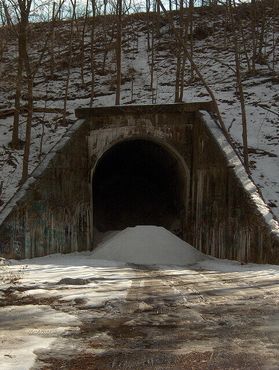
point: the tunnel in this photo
(139, 182)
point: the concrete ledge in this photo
(148, 108)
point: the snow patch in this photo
(148, 245)
(34, 327)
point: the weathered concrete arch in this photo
(173, 151)
(164, 202)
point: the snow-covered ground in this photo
(214, 58)
(75, 311)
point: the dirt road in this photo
(169, 318)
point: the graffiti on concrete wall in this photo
(41, 230)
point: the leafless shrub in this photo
(9, 276)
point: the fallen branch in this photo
(10, 112)
(268, 109)
(261, 152)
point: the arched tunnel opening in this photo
(139, 182)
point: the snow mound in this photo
(148, 245)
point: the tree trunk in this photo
(25, 11)
(240, 88)
(52, 42)
(82, 43)
(118, 52)
(69, 65)
(15, 137)
(26, 153)
(148, 23)
(92, 54)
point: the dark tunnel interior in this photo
(138, 182)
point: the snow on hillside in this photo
(215, 60)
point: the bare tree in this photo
(82, 42)
(232, 7)
(69, 62)
(180, 53)
(147, 10)
(52, 41)
(198, 73)
(152, 59)
(118, 52)
(24, 11)
(92, 53)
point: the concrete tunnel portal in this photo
(123, 166)
(139, 182)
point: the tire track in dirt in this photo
(175, 319)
